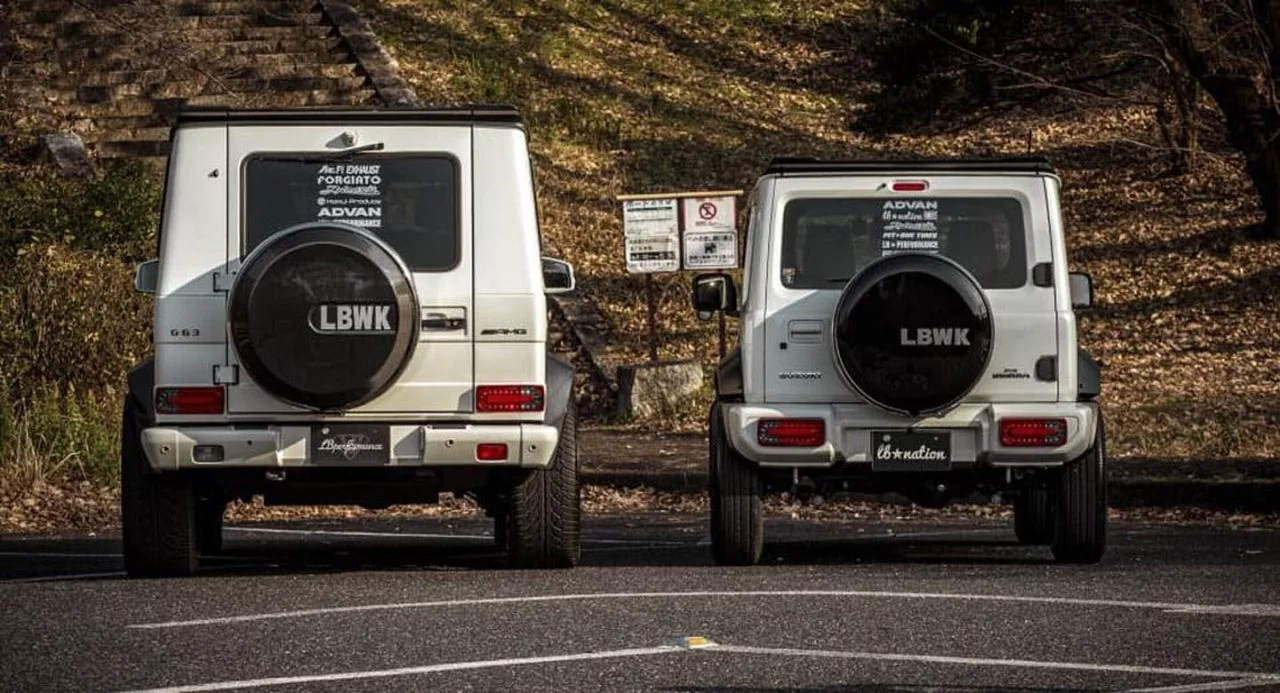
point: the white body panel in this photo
(789, 366)
(496, 287)
(440, 376)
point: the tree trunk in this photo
(1264, 171)
(1238, 65)
(1253, 127)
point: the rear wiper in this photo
(327, 156)
(348, 153)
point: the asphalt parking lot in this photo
(426, 604)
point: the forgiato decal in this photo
(935, 336)
(345, 318)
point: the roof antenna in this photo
(1030, 133)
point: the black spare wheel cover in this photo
(324, 316)
(913, 333)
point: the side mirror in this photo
(145, 277)
(557, 276)
(714, 292)
(1081, 289)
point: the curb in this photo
(1234, 496)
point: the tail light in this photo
(1033, 433)
(509, 398)
(190, 400)
(791, 433)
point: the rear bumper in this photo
(169, 448)
(975, 437)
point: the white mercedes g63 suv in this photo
(349, 308)
(909, 327)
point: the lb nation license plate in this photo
(354, 444)
(910, 451)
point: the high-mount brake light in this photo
(1033, 433)
(190, 400)
(509, 398)
(791, 433)
(910, 186)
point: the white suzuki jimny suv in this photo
(349, 308)
(909, 327)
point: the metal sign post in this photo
(668, 232)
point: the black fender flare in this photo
(142, 385)
(1088, 377)
(729, 377)
(559, 373)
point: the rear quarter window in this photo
(409, 200)
(825, 241)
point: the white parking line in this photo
(1227, 685)
(412, 671)
(1228, 679)
(1018, 663)
(1068, 601)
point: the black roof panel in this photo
(802, 166)
(328, 114)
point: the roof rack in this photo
(801, 166)
(472, 113)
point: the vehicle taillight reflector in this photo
(791, 433)
(189, 400)
(1033, 433)
(498, 398)
(491, 452)
(910, 186)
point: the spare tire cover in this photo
(913, 333)
(323, 316)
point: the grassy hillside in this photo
(626, 96)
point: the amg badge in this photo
(935, 336)
(346, 318)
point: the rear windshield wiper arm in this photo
(326, 156)
(346, 153)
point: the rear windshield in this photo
(410, 201)
(825, 241)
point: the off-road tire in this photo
(1033, 516)
(544, 508)
(157, 511)
(209, 515)
(1080, 531)
(737, 521)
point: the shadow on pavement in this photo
(622, 544)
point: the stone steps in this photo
(31, 27)
(200, 85)
(107, 33)
(116, 72)
(147, 56)
(224, 7)
(53, 77)
(104, 67)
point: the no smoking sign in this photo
(710, 233)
